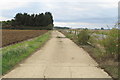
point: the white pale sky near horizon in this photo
(66, 13)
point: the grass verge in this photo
(13, 54)
(109, 65)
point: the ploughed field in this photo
(14, 36)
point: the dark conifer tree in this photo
(37, 20)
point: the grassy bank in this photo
(103, 49)
(13, 54)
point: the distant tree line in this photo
(56, 27)
(34, 20)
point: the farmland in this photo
(14, 36)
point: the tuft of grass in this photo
(13, 54)
(83, 37)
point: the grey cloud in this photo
(65, 11)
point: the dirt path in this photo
(59, 58)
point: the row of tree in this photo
(33, 20)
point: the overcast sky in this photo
(71, 13)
